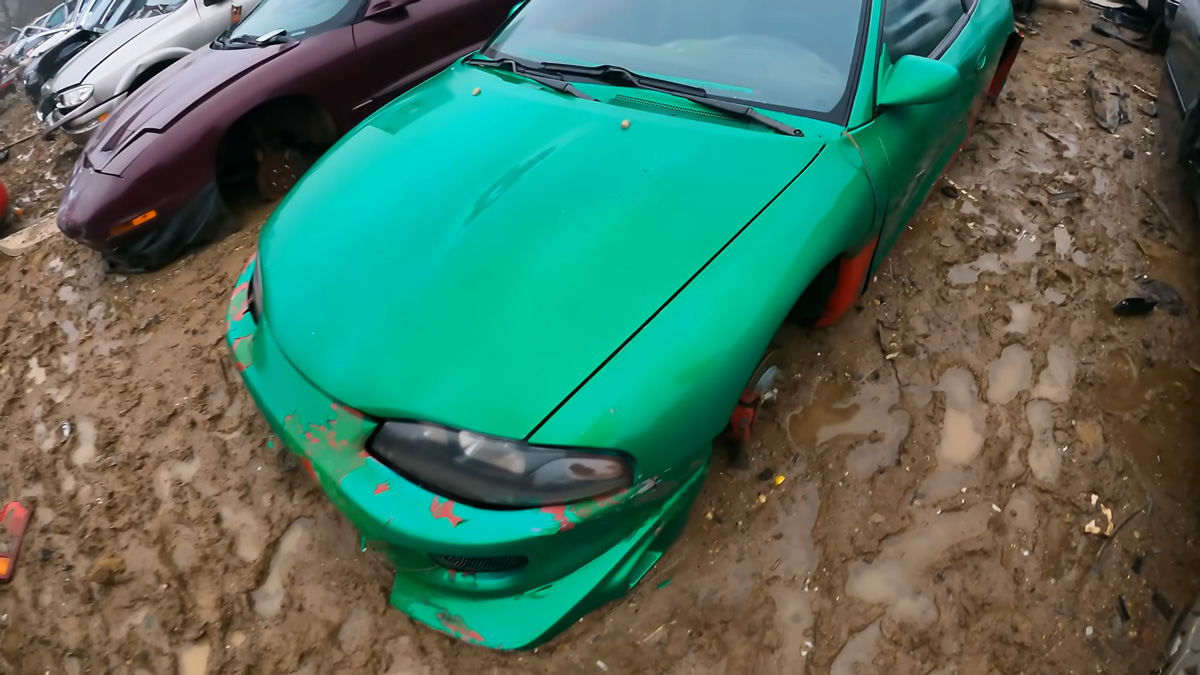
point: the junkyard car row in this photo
(500, 312)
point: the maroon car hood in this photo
(162, 100)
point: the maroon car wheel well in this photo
(296, 126)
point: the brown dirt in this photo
(36, 170)
(941, 449)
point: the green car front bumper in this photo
(505, 579)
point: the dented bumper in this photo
(506, 579)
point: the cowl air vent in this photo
(687, 113)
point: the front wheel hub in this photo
(761, 388)
(279, 171)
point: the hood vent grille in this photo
(686, 113)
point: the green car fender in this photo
(718, 326)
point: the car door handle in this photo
(981, 62)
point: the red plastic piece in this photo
(852, 281)
(3, 202)
(13, 519)
(743, 416)
(1007, 58)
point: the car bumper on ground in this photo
(505, 579)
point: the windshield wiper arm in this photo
(512, 66)
(621, 76)
(274, 37)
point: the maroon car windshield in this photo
(297, 19)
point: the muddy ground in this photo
(35, 171)
(945, 449)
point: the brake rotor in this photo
(761, 386)
(278, 172)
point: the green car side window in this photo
(917, 27)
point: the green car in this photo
(502, 321)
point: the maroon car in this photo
(243, 118)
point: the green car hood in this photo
(469, 257)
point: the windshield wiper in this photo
(511, 65)
(623, 77)
(275, 37)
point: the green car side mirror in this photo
(914, 80)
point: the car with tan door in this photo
(94, 83)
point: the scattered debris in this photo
(1128, 153)
(766, 474)
(1153, 249)
(1061, 198)
(949, 191)
(1149, 110)
(1162, 605)
(1122, 609)
(1145, 508)
(779, 480)
(1147, 94)
(1110, 103)
(1116, 34)
(656, 632)
(17, 142)
(961, 191)
(1162, 209)
(1102, 525)
(1134, 306)
(1163, 294)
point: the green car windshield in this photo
(789, 55)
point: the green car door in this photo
(958, 33)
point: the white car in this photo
(99, 78)
(18, 41)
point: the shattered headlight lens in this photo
(496, 472)
(74, 97)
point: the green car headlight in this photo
(496, 472)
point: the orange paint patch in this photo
(445, 510)
(852, 279)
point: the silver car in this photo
(99, 78)
(18, 41)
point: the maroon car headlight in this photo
(496, 472)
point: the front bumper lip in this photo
(580, 556)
